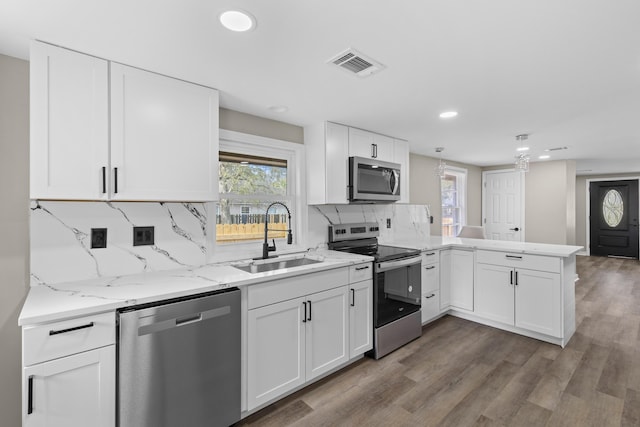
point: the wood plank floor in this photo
(460, 373)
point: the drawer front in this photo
(360, 272)
(430, 257)
(53, 340)
(520, 260)
(275, 291)
(430, 305)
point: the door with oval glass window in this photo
(613, 217)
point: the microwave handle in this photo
(394, 182)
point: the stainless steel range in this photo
(396, 284)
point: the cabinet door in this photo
(538, 302)
(461, 279)
(275, 350)
(69, 124)
(76, 390)
(371, 145)
(445, 279)
(360, 317)
(494, 297)
(337, 164)
(326, 339)
(401, 156)
(164, 137)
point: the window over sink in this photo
(253, 173)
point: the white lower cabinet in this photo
(294, 341)
(360, 318)
(69, 371)
(76, 390)
(523, 298)
(456, 279)
(430, 285)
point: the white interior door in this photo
(502, 205)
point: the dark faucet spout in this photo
(266, 247)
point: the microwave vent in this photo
(356, 63)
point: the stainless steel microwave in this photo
(372, 180)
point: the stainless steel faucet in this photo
(266, 247)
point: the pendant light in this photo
(440, 170)
(522, 159)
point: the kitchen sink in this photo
(276, 265)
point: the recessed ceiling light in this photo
(544, 157)
(237, 20)
(448, 114)
(279, 108)
(522, 149)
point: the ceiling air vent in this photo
(356, 63)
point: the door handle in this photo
(353, 297)
(515, 229)
(511, 279)
(30, 397)
(309, 318)
(104, 179)
(304, 318)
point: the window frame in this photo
(295, 199)
(461, 175)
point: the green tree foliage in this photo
(250, 180)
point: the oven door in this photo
(397, 289)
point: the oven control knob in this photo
(410, 288)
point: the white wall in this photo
(254, 125)
(425, 189)
(14, 228)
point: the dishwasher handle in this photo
(177, 322)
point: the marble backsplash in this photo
(61, 238)
(184, 235)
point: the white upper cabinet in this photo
(328, 148)
(158, 141)
(69, 124)
(363, 143)
(164, 137)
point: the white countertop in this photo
(46, 303)
(438, 242)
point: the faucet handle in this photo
(272, 248)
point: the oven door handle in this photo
(390, 265)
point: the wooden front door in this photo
(614, 218)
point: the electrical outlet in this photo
(143, 236)
(98, 238)
(388, 222)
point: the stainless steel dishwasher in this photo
(179, 362)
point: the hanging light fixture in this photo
(522, 159)
(440, 170)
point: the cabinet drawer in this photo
(294, 287)
(430, 305)
(520, 260)
(360, 272)
(52, 340)
(430, 257)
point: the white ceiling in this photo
(566, 72)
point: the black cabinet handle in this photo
(374, 151)
(366, 267)
(516, 281)
(104, 179)
(309, 318)
(430, 296)
(514, 229)
(511, 278)
(513, 257)
(430, 253)
(115, 180)
(304, 318)
(353, 297)
(75, 328)
(30, 396)
(431, 267)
